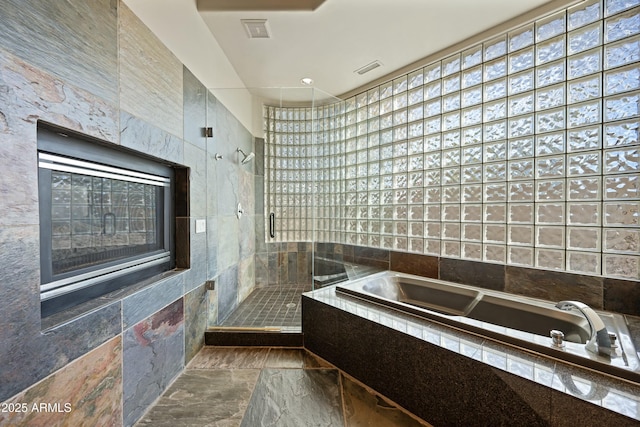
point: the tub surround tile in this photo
(153, 356)
(86, 392)
(145, 137)
(262, 269)
(198, 267)
(212, 179)
(228, 242)
(150, 75)
(247, 236)
(212, 247)
(50, 36)
(622, 296)
(247, 196)
(212, 311)
(554, 286)
(229, 358)
(421, 265)
(195, 158)
(204, 397)
(143, 304)
(227, 287)
(488, 276)
(295, 397)
(195, 317)
(259, 150)
(246, 278)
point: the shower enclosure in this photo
(290, 197)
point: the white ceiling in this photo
(340, 36)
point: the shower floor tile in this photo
(270, 307)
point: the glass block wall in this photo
(521, 150)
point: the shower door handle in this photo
(272, 225)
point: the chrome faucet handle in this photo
(599, 341)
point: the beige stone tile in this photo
(229, 358)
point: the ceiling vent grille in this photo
(368, 67)
(256, 28)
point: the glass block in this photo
(621, 26)
(622, 80)
(496, 151)
(495, 192)
(622, 214)
(615, 6)
(520, 256)
(416, 245)
(585, 189)
(521, 169)
(495, 172)
(471, 213)
(433, 195)
(495, 233)
(451, 102)
(432, 125)
(416, 229)
(495, 131)
(521, 191)
(521, 104)
(550, 27)
(451, 176)
(521, 235)
(495, 253)
(472, 135)
(550, 259)
(584, 13)
(415, 129)
(584, 39)
(584, 239)
(521, 60)
(627, 266)
(400, 101)
(471, 116)
(583, 213)
(584, 114)
(521, 213)
(451, 249)
(471, 57)
(415, 113)
(584, 89)
(520, 148)
(450, 158)
(495, 48)
(550, 190)
(587, 163)
(550, 167)
(471, 174)
(451, 139)
(521, 126)
(495, 110)
(583, 262)
(451, 65)
(622, 187)
(471, 97)
(550, 73)
(400, 85)
(451, 84)
(387, 242)
(432, 72)
(550, 120)
(416, 213)
(432, 230)
(550, 50)
(451, 121)
(495, 213)
(550, 237)
(621, 240)
(432, 213)
(401, 243)
(400, 228)
(622, 160)
(416, 195)
(472, 251)
(432, 143)
(471, 155)
(521, 38)
(622, 133)
(472, 193)
(451, 213)
(585, 63)
(495, 69)
(415, 79)
(433, 108)
(622, 107)
(400, 117)
(622, 53)
(521, 82)
(495, 90)
(472, 77)
(584, 139)
(432, 247)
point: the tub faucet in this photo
(599, 341)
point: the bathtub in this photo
(518, 321)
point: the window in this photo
(105, 218)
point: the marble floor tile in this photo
(229, 358)
(204, 398)
(295, 398)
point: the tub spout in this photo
(599, 341)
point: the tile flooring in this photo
(270, 307)
(255, 387)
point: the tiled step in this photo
(253, 337)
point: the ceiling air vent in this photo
(256, 28)
(368, 67)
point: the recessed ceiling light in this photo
(371, 66)
(256, 28)
(307, 81)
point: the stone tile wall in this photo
(107, 76)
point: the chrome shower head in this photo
(247, 157)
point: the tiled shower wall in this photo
(93, 67)
(522, 150)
